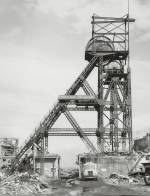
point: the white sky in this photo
(42, 46)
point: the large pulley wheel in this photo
(100, 44)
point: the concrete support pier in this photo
(51, 164)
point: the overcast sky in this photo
(42, 45)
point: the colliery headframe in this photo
(107, 52)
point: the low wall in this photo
(115, 164)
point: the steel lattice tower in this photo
(110, 43)
(108, 52)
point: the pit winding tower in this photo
(108, 53)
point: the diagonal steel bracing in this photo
(79, 131)
(89, 88)
(86, 90)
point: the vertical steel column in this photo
(54, 168)
(129, 112)
(93, 26)
(124, 119)
(46, 140)
(123, 135)
(116, 144)
(33, 158)
(58, 172)
(111, 120)
(80, 175)
(42, 155)
(100, 140)
(114, 118)
(129, 92)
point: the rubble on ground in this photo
(116, 178)
(71, 182)
(25, 183)
(69, 173)
(22, 183)
(69, 177)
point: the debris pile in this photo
(71, 182)
(22, 183)
(69, 177)
(118, 178)
(69, 173)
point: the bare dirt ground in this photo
(95, 188)
(92, 188)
